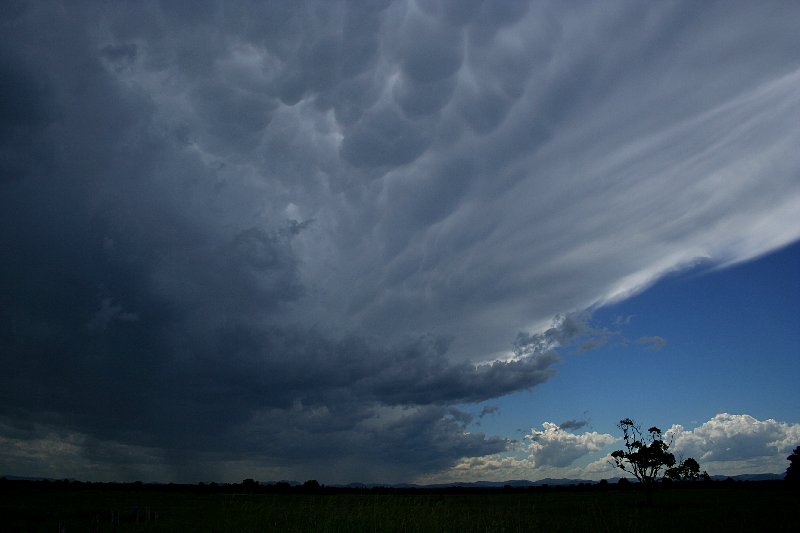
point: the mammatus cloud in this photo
(288, 233)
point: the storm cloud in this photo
(286, 235)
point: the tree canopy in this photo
(646, 457)
(686, 470)
(793, 472)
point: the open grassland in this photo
(751, 508)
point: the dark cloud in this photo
(573, 424)
(435, 53)
(423, 98)
(487, 410)
(384, 138)
(121, 55)
(25, 112)
(573, 328)
(244, 236)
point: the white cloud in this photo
(553, 446)
(602, 468)
(553, 452)
(731, 444)
(725, 445)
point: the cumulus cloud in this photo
(731, 443)
(553, 451)
(553, 446)
(725, 445)
(230, 218)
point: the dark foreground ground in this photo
(709, 507)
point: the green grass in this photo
(717, 509)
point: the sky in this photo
(396, 241)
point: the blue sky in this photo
(369, 241)
(731, 347)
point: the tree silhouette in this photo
(686, 470)
(793, 472)
(646, 457)
(312, 485)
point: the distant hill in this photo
(513, 483)
(750, 477)
(539, 483)
(28, 478)
(470, 484)
(460, 484)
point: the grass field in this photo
(751, 508)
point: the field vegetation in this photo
(705, 506)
